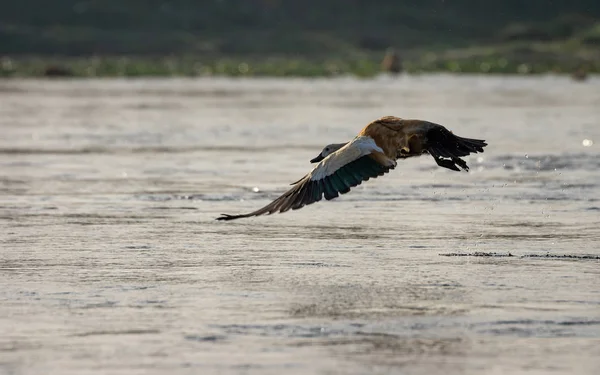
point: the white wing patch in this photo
(359, 147)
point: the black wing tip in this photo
(448, 148)
(227, 217)
(476, 145)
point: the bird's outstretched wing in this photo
(447, 148)
(354, 163)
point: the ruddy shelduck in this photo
(372, 153)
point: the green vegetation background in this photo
(288, 37)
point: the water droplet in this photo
(255, 189)
(587, 142)
(526, 156)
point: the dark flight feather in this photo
(447, 148)
(307, 191)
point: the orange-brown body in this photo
(398, 137)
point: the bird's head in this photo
(329, 149)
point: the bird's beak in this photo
(317, 159)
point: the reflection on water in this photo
(112, 261)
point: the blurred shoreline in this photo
(518, 58)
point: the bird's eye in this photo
(326, 149)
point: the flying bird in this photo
(372, 153)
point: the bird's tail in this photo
(447, 148)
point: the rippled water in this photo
(112, 262)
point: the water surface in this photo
(111, 261)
